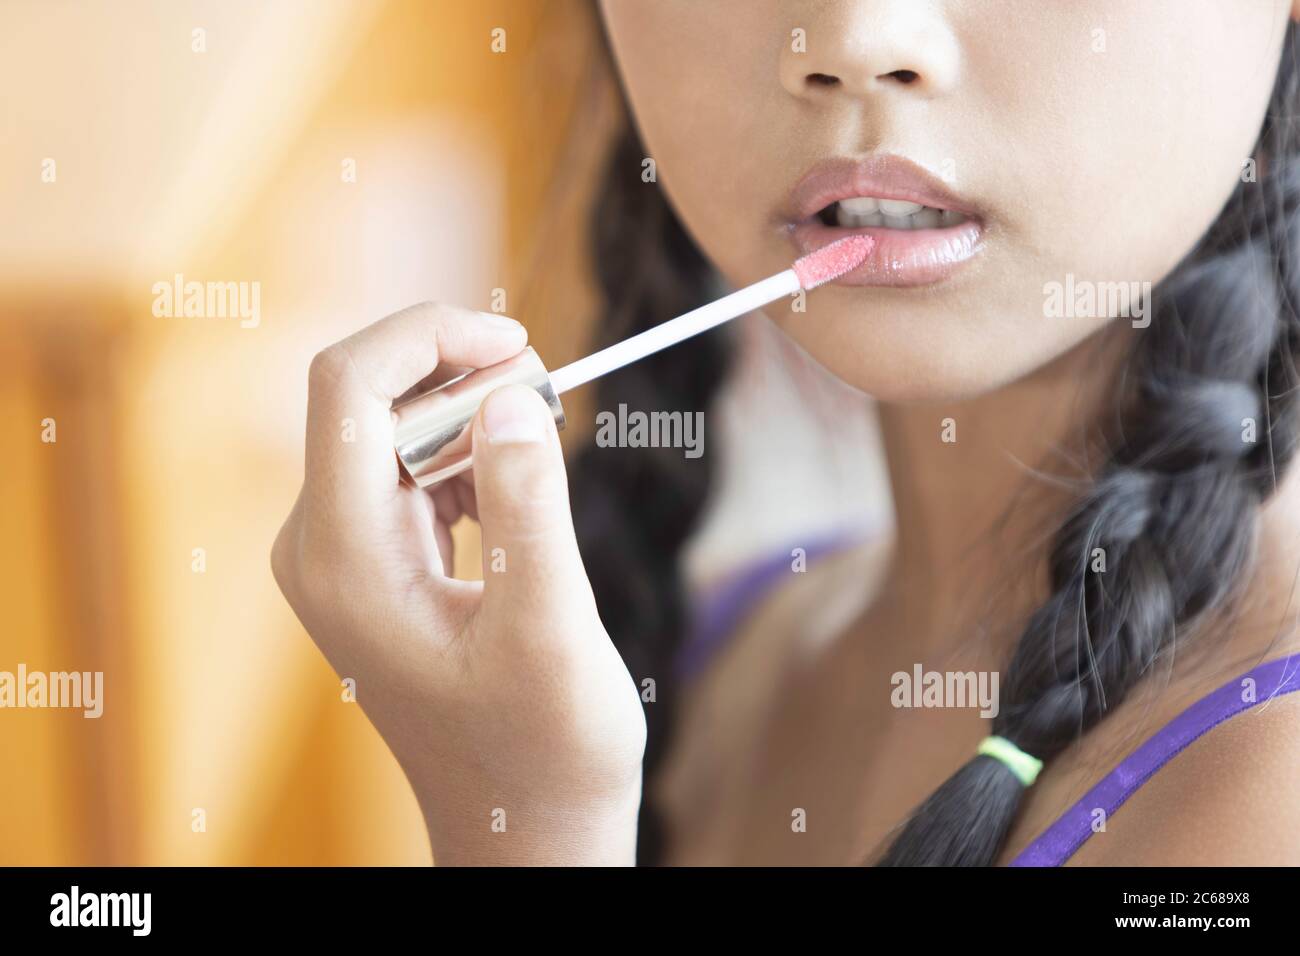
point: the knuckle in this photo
(328, 367)
(433, 307)
(306, 582)
(283, 558)
(452, 329)
(437, 314)
(295, 562)
(438, 311)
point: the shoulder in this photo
(726, 710)
(1231, 798)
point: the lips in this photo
(923, 231)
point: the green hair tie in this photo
(1025, 767)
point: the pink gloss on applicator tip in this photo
(830, 262)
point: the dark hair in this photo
(1173, 509)
(634, 507)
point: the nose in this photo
(870, 48)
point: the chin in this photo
(898, 365)
(931, 356)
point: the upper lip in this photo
(882, 176)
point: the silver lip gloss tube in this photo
(433, 435)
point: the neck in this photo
(980, 486)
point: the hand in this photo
(507, 706)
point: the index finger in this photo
(352, 385)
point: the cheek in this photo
(1136, 132)
(702, 81)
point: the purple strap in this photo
(720, 612)
(1063, 838)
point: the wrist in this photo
(581, 832)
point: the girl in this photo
(1080, 322)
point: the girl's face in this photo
(1038, 160)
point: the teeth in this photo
(896, 207)
(928, 218)
(859, 212)
(851, 220)
(860, 205)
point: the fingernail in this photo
(500, 321)
(511, 416)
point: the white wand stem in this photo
(675, 330)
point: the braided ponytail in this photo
(1209, 422)
(633, 508)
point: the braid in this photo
(635, 507)
(1173, 510)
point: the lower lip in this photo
(901, 257)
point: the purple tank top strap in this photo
(1063, 838)
(718, 614)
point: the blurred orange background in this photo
(350, 157)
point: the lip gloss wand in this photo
(432, 430)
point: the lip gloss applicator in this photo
(433, 435)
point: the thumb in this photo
(531, 563)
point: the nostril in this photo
(822, 79)
(904, 76)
